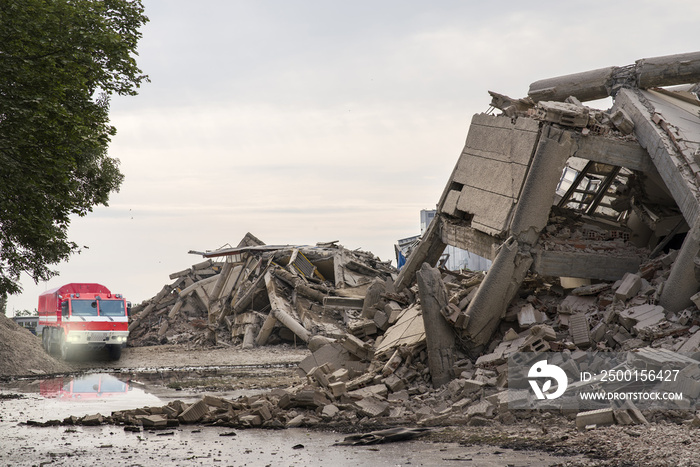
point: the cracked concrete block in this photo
(310, 398)
(250, 420)
(357, 347)
(527, 316)
(494, 358)
(482, 408)
(622, 121)
(691, 345)
(638, 317)
(92, 420)
(154, 420)
(399, 396)
(338, 388)
(263, 410)
(577, 304)
(341, 374)
(563, 113)
(369, 391)
(394, 383)
(329, 411)
(598, 331)
(626, 413)
(393, 311)
(470, 386)
(194, 413)
(534, 344)
(372, 407)
(215, 401)
(696, 299)
(334, 354)
(600, 417)
(544, 331)
(630, 285)
(381, 320)
(579, 330)
(320, 375)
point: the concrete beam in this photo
(495, 293)
(617, 152)
(668, 70)
(583, 265)
(461, 235)
(664, 156)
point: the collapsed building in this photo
(637, 186)
(606, 261)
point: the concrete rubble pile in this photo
(261, 294)
(608, 262)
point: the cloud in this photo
(312, 121)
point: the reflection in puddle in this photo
(57, 398)
(90, 386)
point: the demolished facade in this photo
(608, 264)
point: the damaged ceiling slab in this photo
(635, 192)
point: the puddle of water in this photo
(58, 398)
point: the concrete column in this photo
(514, 259)
(439, 336)
(681, 283)
(495, 293)
(535, 201)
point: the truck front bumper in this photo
(98, 338)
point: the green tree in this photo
(60, 61)
(27, 313)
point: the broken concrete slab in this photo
(631, 284)
(639, 317)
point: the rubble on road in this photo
(607, 263)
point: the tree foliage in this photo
(60, 61)
(21, 313)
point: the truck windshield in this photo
(84, 307)
(111, 307)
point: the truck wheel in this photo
(53, 347)
(66, 350)
(115, 352)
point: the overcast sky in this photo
(311, 121)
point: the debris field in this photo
(589, 216)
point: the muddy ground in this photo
(159, 374)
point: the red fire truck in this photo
(84, 317)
